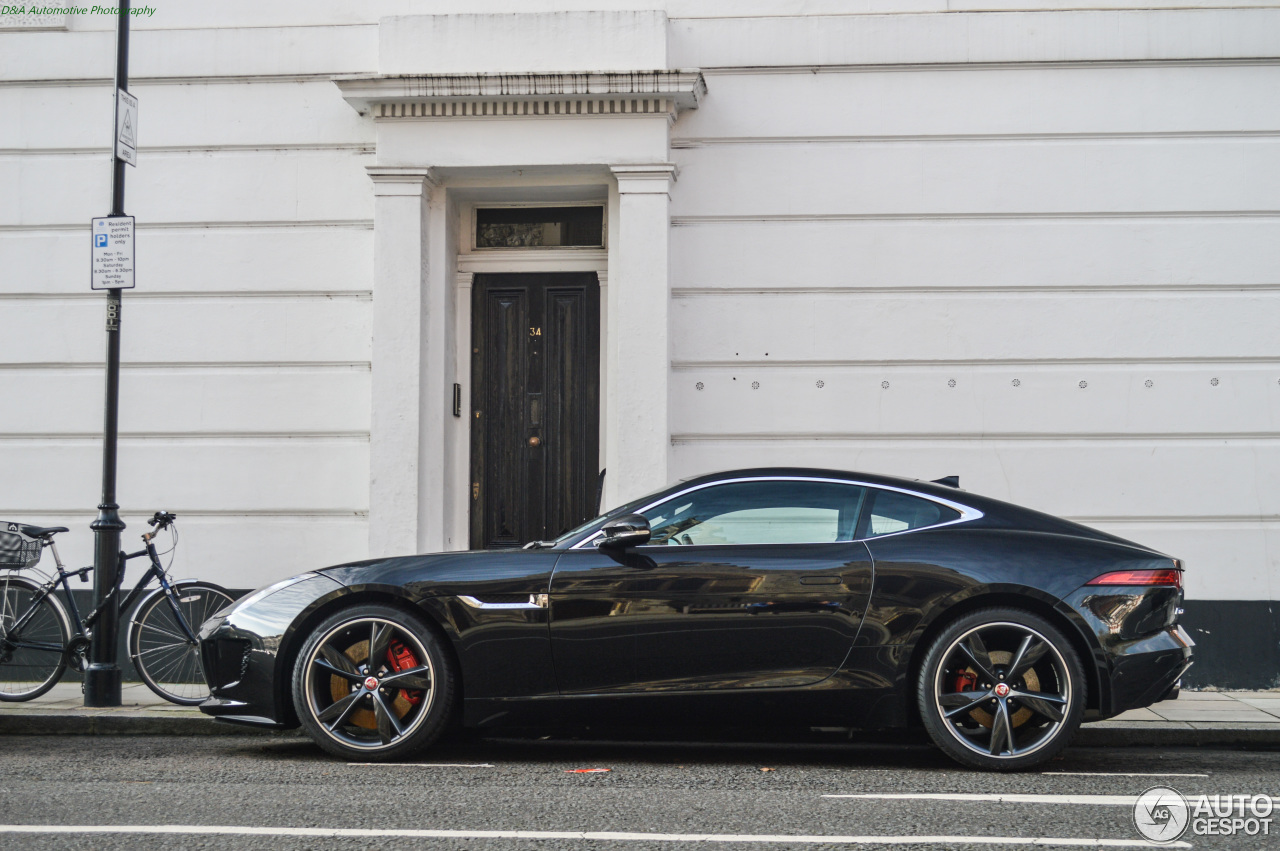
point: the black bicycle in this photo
(39, 639)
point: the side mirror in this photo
(629, 530)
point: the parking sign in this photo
(112, 267)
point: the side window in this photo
(890, 511)
(769, 512)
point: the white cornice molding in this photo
(401, 180)
(654, 178)
(602, 93)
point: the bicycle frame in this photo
(83, 626)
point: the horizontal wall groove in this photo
(188, 513)
(740, 363)
(1012, 289)
(218, 295)
(173, 437)
(305, 147)
(1136, 215)
(1014, 65)
(709, 71)
(196, 79)
(1136, 136)
(1187, 518)
(326, 224)
(180, 366)
(1049, 438)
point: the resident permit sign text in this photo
(112, 253)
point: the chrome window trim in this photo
(536, 601)
(967, 513)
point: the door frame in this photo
(469, 263)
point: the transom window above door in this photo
(539, 227)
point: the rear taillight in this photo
(1139, 577)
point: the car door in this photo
(747, 583)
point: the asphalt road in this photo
(655, 795)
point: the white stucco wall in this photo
(863, 196)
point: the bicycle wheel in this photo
(166, 660)
(31, 657)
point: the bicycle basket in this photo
(16, 549)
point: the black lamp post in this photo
(102, 677)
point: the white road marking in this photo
(425, 764)
(1004, 798)
(1012, 798)
(1115, 774)
(599, 836)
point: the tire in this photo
(26, 672)
(167, 662)
(394, 708)
(1001, 689)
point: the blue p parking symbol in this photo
(99, 240)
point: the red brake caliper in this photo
(401, 658)
(966, 680)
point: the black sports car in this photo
(829, 597)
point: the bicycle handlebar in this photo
(163, 518)
(160, 520)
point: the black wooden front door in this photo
(535, 405)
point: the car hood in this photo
(443, 569)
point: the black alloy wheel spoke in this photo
(962, 701)
(1001, 731)
(338, 711)
(378, 643)
(416, 679)
(339, 664)
(387, 722)
(1027, 656)
(1049, 705)
(976, 650)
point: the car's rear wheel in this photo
(373, 683)
(1001, 689)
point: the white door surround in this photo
(444, 141)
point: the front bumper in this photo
(241, 650)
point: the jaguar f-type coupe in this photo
(766, 595)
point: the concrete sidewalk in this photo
(1195, 719)
(62, 712)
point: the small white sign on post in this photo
(112, 253)
(127, 127)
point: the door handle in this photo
(819, 580)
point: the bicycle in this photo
(39, 639)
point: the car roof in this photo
(822, 473)
(996, 513)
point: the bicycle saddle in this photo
(39, 531)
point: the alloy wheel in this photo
(369, 684)
(1003, 691)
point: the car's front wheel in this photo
(373, 683)
(1001, 689)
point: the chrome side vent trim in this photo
(536, 601)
